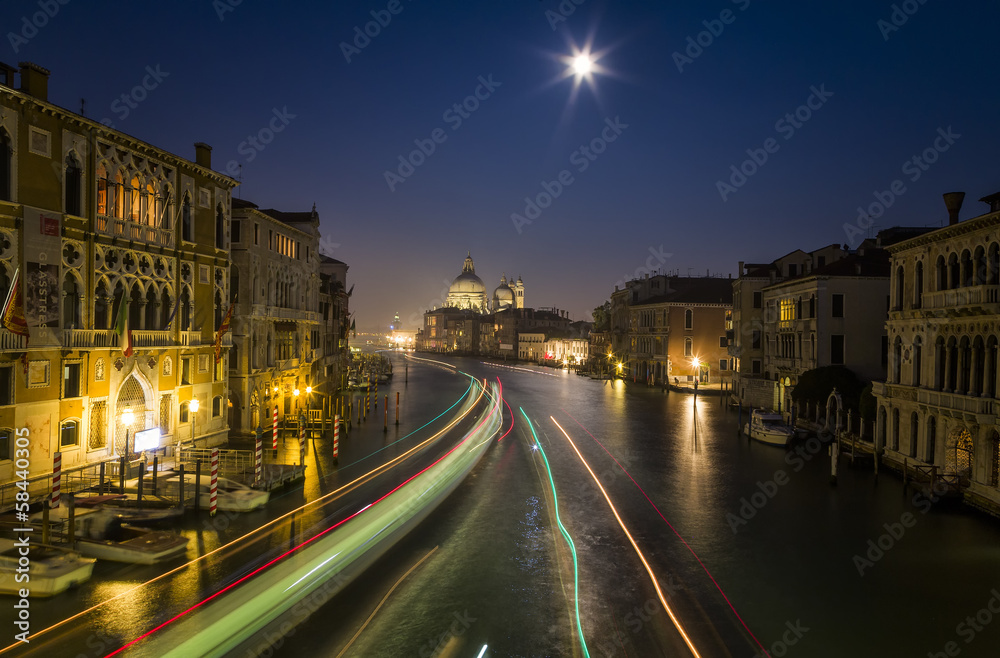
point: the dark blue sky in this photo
(654, 188)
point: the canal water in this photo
(753, 542)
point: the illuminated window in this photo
(688, 347)
(69, 433)
(102, 190)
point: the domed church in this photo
(508, 295)
(467, 290)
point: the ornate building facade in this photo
(94, 219)
(939, 404)
(277, 315)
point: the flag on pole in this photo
(173, 314)
(354, 329)
(222, 331)
(12, 317)
(122, 328)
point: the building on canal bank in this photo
(938, 406)
(96, 221)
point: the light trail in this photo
(483, 651)
(384, 599)
(518, 368)
(511, 428)
(670, 525)
(649, 570)
(346, 488)
(565, 534)
(315, 538)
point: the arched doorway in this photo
(958, 454)
(131, 396)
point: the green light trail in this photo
(565, 534)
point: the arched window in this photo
(164, 209)
(931, 440)
(954, 273)
(216, 406)
(812, 306)
(219, 311)
(220, 228)
(151, 203)
(688, 319)
(185, 310)
(165, 310)
(135, 307)
(69, 433)
(688, 347)
(118, 195)
(6, 167)
(897, 359)
(183, 415)
(979, 273)
(895, 430)
(914, 434)
(74, 186)
(149, 315)
(994, 264)
(900, 286)
(187, 221)
(102, 190)
(72, 300)
(234, 284)
(968, 276)
(942, 274)
(135, 199)
(918, 285)
(916, 362)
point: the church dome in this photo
(467, 290)
(503, 296)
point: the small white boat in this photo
(768, 427)
(231, 496)
(53, 570)
(100, 533)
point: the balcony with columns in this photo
(971, 300)
(134, 231)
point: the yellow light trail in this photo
(649, 570)
(384, 599)
(347, 488)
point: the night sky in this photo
(879, 94)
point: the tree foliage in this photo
(817, 384)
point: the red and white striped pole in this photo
(302, 441)
(274, 429)
(258, 456)
(336, 438)
(56, 475)
(213, 493)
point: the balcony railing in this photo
(954, 401)
(961, 299)
(10, 341)
(144, 338)
(88, 338)
(190, 338)
(135, 231)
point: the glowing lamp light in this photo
(194, 405)
(275, 389)
(295, 392)
(582, 64)
(127, 417)
(620, 365)
(309, 389)
(695, 362)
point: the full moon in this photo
(582, 64)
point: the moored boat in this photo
(53, 570)
(768, 427)
(100, 533)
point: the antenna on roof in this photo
(83, 107)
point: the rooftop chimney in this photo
(740, 269)
(953, 202)
(34, 80)
(203, 155)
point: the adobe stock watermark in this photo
(581, 158)
(453, 116)
(457, 628)
(714, 28)
(373, 28)
(793, 634)
(417, 318)
(769, 488)
(912, 170)
(223, 7)
(658, 255)
(563, 11)
(32, 23)
(327, 246)
(879, 547)
(971, 626)
(898, 17)
(250, 147)
(786, 126)
(127, 102)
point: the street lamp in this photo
(127, 419)
(193, 409)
